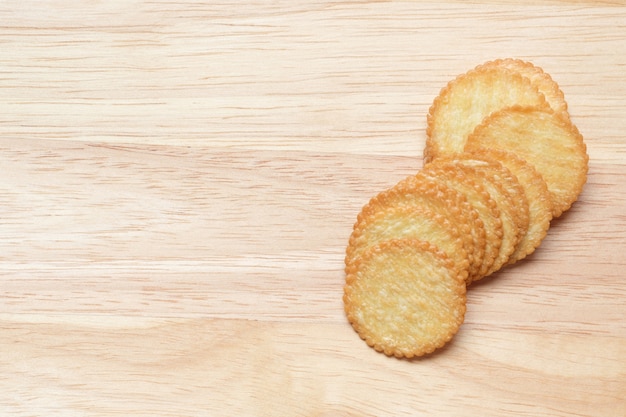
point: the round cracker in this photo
(455, 177)
(538, 77)
(407, 223)
(467, 100)
(419, 191)
(550, 142)
(509, 195)
(537, 195)
(405, 298)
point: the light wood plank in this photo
(314, 76)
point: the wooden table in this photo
(179, 180)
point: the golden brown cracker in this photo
(404, 298)
(408, 223)
(537, 195)
(455, 177)
(537, 76)
(419, 191)
(550, 142)
(467, 100)
(505, 189)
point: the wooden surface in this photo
(179, 180)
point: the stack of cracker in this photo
(502, 159)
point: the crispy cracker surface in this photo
(509, 196)
(546, 140)
(502, 159)
(408, 223)
(537, 195)
(405, 298)
(467, 100)
(455, 177)
(419, 191)
(538, 78)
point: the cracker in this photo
(502, 159)
(538, 78)
(467, 100)
(455, 177)
(403, 223)
(550, 142)
(537, 195)
(419, 191)
(405, 298)
(509, 195)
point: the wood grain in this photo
(179, 180)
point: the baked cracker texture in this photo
(537, 195)
(419, 191)
(537, 77)
(502, 159)
(455, 177)
(505, 190)
(405, 298)
(467, 100)
(408, 223)
(548, 141)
